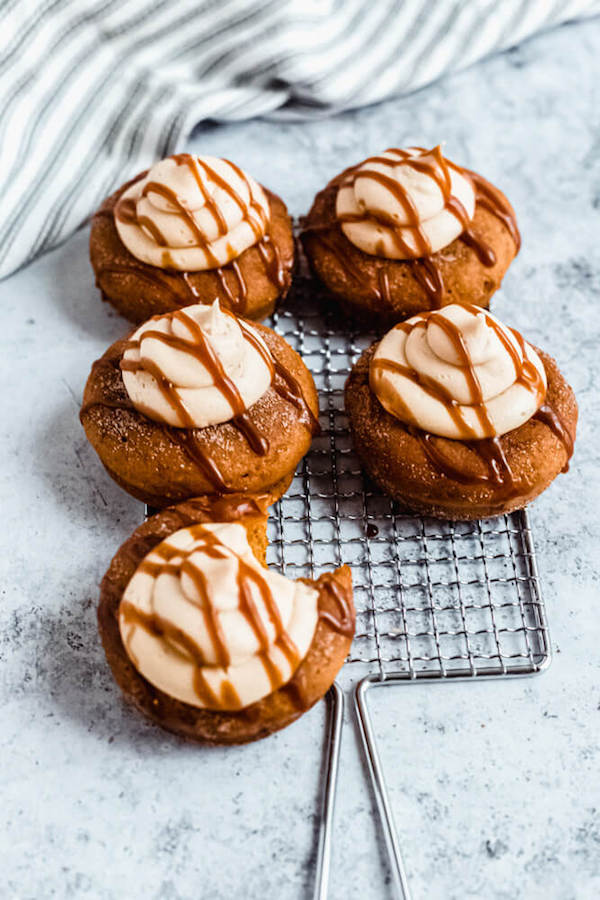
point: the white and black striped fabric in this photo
(91, 91)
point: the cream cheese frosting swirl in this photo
(458, 373)
(195, 367)
(405, 204)
(204, 622)
(192, 213)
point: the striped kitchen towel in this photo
(92, 91)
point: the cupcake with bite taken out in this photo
(205, 640)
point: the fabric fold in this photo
(92, 92)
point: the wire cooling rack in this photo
(435, 600)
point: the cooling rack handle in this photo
(335, 700)
(379, 785)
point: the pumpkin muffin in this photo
(207, 642)
(199, 401)
(455, 416)
(192, 229)
(407, 231)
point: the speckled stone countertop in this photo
(495, 786)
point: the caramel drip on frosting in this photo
(188, 160)
(425, 268)
(125, 211)
(435, 167)
(154, 187)
(244, 209)
(194, 164)
(160, 627)
(247, 576)
(200, 348)
(456, 339)
(525, 371)
(128, 214)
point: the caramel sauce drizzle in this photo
(383, 285)
(425, 267)
(125, 211)
(154, 187)
(155, 277)
(247, 577)
(431, 164)
(331, 592)
(485, 254)
(490, 198)
(551, 418)
(272, 262)
(428, 274)
(200, 349)
(239, 299)
(489, 450)
(284, 383)
(188, 160)
(254, 206)
(343, 621)
(227, 509)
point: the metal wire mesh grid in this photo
(433, 598)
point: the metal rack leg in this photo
(335, 697)
(379, 786)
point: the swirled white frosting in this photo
(202, 213)
(190, 592)
(407, 215)
(460, 381)
(188, 377)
